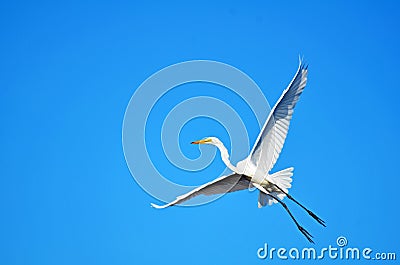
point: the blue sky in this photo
(68, 70)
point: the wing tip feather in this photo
(302, 64)
(157, 206)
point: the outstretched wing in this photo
(270, 141)
(224, 184)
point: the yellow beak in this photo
(204, 141)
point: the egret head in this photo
(208, 140)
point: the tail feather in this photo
(281, 178)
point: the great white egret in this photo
(254, 171)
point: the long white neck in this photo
(225, 156)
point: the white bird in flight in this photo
(254, 171)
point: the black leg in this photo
(302, 230)
(313, 215)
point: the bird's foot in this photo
(319, 220)
(306, 234)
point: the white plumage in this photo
(255, 169)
